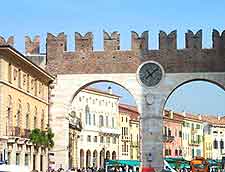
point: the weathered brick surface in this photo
(85, 60)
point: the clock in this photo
(150, 73)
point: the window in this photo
(35, 87)
(35, 117)
(41, 163)
(197, 126)
(215, 144)
(169, 132)
(101, 121)
(101, 139)
(89, 138)
(107, 121)
(192, 126)
(180, 133)
(26, 160)
(180, 152)
(19, 112)
(27, 115)
(19, 78)
(10, 72)
(108, 139)
(17, 159)
(165, 131)
(166, 152)
(114, 140)
(113, 122)
(87, 115)
(94, 122)
(96, 139)
(42, 119)
(122, 119)
(28, 82)
(126, 119)
(198, 139)
(9, 157)
(221, 144)
(176, 152)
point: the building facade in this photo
(24, 92)
(192, 140)
(129, 142)
(172, 134)
(214, 134)
(99, 137)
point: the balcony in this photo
(194, 143)
(125, 138)
(14, 131)
(26, 133)
(134, 144)
(168, 138)
(109, 130)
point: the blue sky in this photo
(26, 17)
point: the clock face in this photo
(150, 74)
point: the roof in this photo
(12, 51)
(134, 115)
(211, 119)
(100, 91)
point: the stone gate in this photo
(84, 66)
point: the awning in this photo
(123, 162)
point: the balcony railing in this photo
(14, 131)
(168, 138)
(26, 133)
(194, 143)
(125, 138)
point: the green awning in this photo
(123, 162)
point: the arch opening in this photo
(192, 113)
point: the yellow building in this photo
(23, 107)
(214, 137)
(129, 142)
(192, 140)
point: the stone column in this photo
(151, 132)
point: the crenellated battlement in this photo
(112, 41)
(83, 59)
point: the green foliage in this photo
(42, 138)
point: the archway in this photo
(81, 158)
(95, 158)
(88, 158)
(113, 155)
(101, 158)
(107, 155)
(197, 106)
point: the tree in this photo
(42, 138)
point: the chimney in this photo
(171, 114)
(184, 114)
(200, 117)
(218, 117)
(110, 90)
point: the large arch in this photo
(68, 86)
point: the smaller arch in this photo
(102, 157)
(88, 158)
(107, 155)
(95, 158)
(81, 158)
(113, 155)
